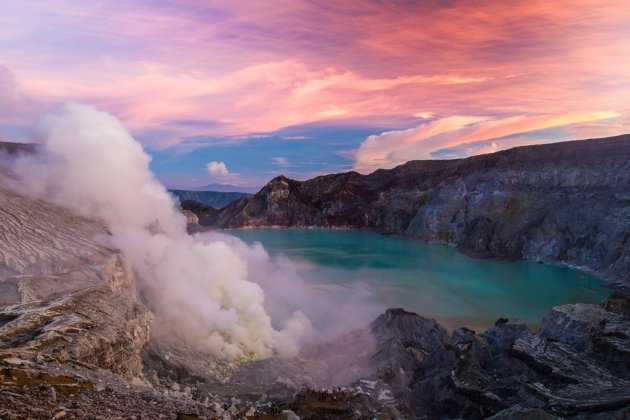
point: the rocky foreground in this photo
(565, 203)
(75, 343)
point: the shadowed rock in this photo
(508, 371)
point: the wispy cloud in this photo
(296, 137)
(250, 69)
(281, 161)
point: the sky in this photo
(237, 92)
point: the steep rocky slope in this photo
(56, 284)
(563, 203)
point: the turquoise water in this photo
(432, 280)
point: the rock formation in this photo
(565, 203)
(55, 280)
(577, 365)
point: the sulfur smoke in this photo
(198, 287)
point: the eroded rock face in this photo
(65, 296)
(563, 203)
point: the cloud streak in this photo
(461, 136)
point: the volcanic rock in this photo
(575, 366)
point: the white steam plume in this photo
(198, 288)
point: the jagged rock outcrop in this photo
(563, 203)
(576, 366)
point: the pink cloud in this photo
(250, 68)
(260, 98)
(474, 135)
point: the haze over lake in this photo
(433, 280)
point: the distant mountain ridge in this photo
(215, 199)
(13, 148)
(566, 203)
(223, 188)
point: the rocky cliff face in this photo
(562, 203)
(63, 296)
